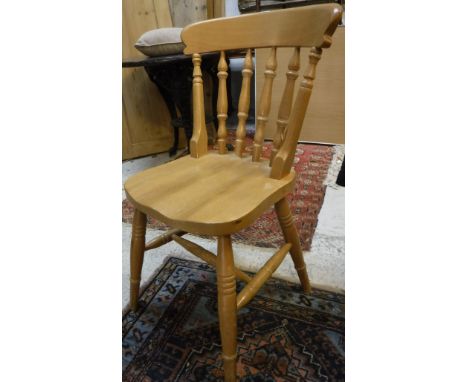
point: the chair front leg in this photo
(227, 307)
(290, 235)
(137, 251)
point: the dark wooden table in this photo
(173, 77)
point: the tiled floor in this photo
(325, 260)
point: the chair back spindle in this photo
(311, 26)
(199, 141)
(286, 102)
(222, 105)
(283, 160)
(244, 103)
(265, 103)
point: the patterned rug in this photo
(311, 164)
(283, 334)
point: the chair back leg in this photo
(290, 236)
(137, 251)
(227, 306)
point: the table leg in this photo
(174, 119)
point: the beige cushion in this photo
(160, 42)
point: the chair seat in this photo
(212, 195)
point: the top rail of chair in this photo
(302, 26)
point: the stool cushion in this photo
(160, 42)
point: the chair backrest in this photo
(310, 26)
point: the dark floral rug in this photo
(283, 334)
(311, 164)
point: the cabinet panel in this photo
(146, 125)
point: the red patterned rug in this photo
(311, 164)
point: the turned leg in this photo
(291, 236)
(137, 251)
(227, 308)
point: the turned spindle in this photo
(286, 102)
(222, 105)
(265, 103)
(199, 141)
(244, 103)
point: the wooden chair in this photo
(220, 193)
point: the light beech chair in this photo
(220, 193)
